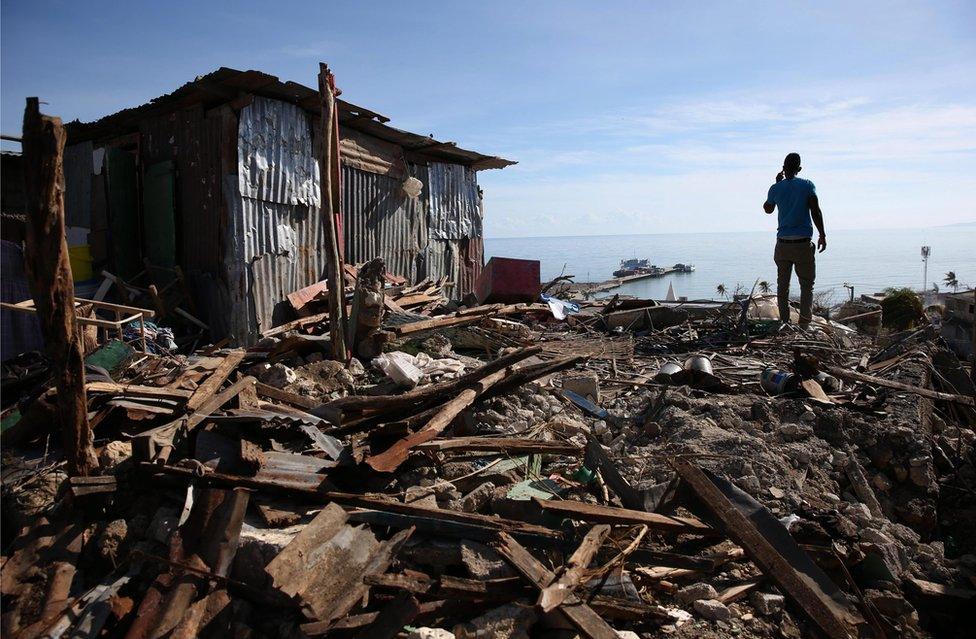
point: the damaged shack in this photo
(217, 185)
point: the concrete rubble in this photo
(534, 477)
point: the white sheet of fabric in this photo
(560, 309)
(409, 370)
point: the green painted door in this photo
(159, 216)
(123, 212)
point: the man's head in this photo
(791, 165)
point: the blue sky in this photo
(625, 117)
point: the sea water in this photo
(868, 260)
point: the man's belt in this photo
(785, 241)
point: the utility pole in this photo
(925, 268)
(49, 272)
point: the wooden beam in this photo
(575, 610)
(800, 589)
(855, 376)
(574, 574)
(49, 273)
(581, 511)
(331, 203)
(207, 389)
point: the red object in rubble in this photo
(508, 280)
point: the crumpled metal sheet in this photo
(454, 202)
(276, 160)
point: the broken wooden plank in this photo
(574, 573)
(802, 589)
(575, 610)
(156, 444)
(849, 375)
(135, 390)
(596, 513)
(216, 379)
(390, 459)
(292, 399)
(509, 445)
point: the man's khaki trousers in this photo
(799, 256)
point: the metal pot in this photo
(698, 363)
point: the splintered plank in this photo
(511, 445)
(574, 574)
(609, 515)
(801, 589)
(576, 611)
(207, 389)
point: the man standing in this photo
(796, 201)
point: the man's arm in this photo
(769, 206)
(817, 216)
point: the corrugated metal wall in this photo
(78, 184)
(454, 209)
(274, 152)
(275, 240)
(380, 220)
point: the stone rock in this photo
(749, 484)
(920, 472)
(420, 496)
(483, 562)
(712, 610)
(881, 482)
(585, 385)
(430, 633)
(766, 603)
(279, 376)
(511, 621)
(477, 499)
(356, 369)
(700, 590)
(114, 453)
(809, 416)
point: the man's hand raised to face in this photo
(780, 177)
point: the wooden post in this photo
(331, 212)
(49, 272)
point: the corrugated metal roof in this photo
(276, 162)
(454, 210)
(224, 85)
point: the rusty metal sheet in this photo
(78, 169)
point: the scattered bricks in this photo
(584, 385)
(511, 621)
(700, 590)
(430, 633)
(766, 603)
(712, 610)
(475, 500)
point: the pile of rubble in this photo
(627, 468)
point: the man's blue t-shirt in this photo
(792, 200)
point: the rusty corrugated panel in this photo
(381, 221)
(274, 249)
(454, 203)
(78, 170)
(276, 162)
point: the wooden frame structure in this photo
(123, 315)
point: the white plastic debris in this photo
(560, 308)
(409, 370)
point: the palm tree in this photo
(950, 280)
(764, 287)
(720, 289)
